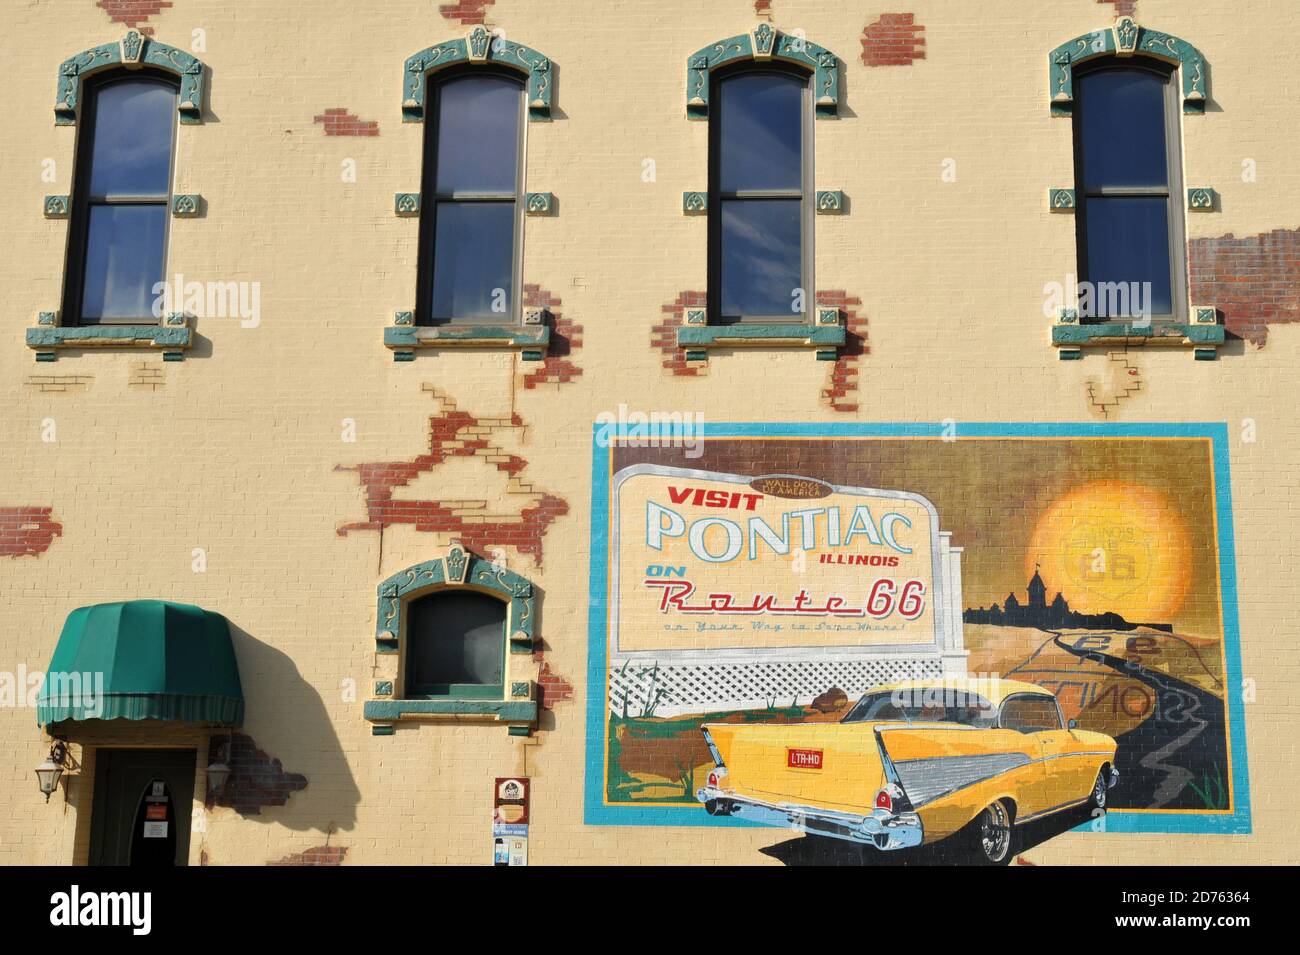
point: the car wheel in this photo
(1098, 797)
(992, 834)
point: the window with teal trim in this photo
(456, 646)
(760, 193)
(1128, 183)
(471, 216)
(121, 198)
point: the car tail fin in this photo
(899, 802)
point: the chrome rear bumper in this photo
(880, 828)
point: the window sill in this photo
(519, 715)
(530, 340)
(171, 339)
(1203, 337)
(826, 338)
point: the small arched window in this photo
(456, 645)
(1128, 180)
(760, 193)
(121, 198)
(471, 219)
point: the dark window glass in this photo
(1128, 245)
(470, 215)
(455, 645)
(121, 198)
(478, 135)
(1122, 117)
(132, 152)
(760, 141)
(757, 196)
(124, 258)
(1030, 714)
(473, 258)
(761, 261)
(1129, 209)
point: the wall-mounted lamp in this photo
(218, 771)
(49, 772)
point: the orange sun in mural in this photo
(1111, 546)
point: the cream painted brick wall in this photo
(236, 452)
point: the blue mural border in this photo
(596, 813)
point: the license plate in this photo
(803, 758)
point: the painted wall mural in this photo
(897, 636)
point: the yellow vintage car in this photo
(915, 762)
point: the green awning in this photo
(143, 660)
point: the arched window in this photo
(453, 641)
(456, 645)
(760, 193)
(760, 92)
(1128, 182)
(121, 197)
(471, 220)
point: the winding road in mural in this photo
(1176, 757)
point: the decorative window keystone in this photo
(406, 204)
(56, 207)
(695, 203)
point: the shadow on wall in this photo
(317, 790)
(824, 851)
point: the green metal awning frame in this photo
(143, 660)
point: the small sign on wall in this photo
(510, 821)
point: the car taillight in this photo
(889, 797)
(716, 776)
(713, 779)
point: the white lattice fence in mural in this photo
(670, 689)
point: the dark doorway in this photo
(142, 804)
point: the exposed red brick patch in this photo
(556, 368)
(466, 11)
(843, 380)
(458, 434)
(554, 688)
(27, 531)
(664, 335)
(133, 13)
(1123, 8)
(763, 8)
(339, 122)
(893, 40)
(1253, 281)
(316, 855)
(256, 779)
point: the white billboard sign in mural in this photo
(742, 589)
